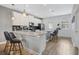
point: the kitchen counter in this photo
(35, 41)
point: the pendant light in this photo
(12, 12)
(24, 12)
(13, 17)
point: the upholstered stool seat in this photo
(15, 41)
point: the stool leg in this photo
(10, 48)
(20, 49)
(6, 46)
(22, 45)
(13, 48)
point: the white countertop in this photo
(29, 33)
(35, 41)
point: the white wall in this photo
(75, 33)
(5, 22)
(66, 32)
(21, 20)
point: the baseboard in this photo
(64, 37)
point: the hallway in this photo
(62, 46)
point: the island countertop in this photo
(35, 41)
(29, 33)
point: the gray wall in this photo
(5, 21)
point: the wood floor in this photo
(60, 46)
(24, 52)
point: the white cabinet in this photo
(33, 42)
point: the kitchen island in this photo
(34, 41)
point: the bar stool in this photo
(13, 41)
(56, 34)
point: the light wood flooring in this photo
(24, 52)
(60, 46)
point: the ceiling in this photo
(43, 10)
